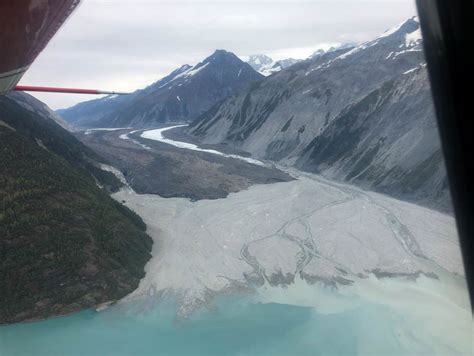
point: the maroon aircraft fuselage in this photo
(26, 28)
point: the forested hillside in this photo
(65, 244)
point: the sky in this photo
(124, 45)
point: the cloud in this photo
(125, 45)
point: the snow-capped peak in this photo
(258, 61)
(267, 66)
(407, 34)
(336, 47)
(391, 31)
(317, 53)
(413, 38)
(403, 28)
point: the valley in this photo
(292, 206)
(306, 258)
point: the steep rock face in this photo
(361, 114)
(388, 142)
(260, 61)
(65, 244)
(180, 97)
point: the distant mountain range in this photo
(182, 96)
(267, 66)
(341, 46)
(360, 114)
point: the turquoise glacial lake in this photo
(337, 324)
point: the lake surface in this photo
(389, 317)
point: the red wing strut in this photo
(64, 90)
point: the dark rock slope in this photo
(362, 115)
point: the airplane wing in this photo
(26, 28)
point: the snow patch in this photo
(414, 38)
(410, 70)
(353, 51)
(390, 31)
(413, 49)
(186, 74)
(193, 71)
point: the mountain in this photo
(65, 244)
(181, 96)
(341, 46)
(362, 115)
(260, 61)
(30, 103)
(267, 66)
